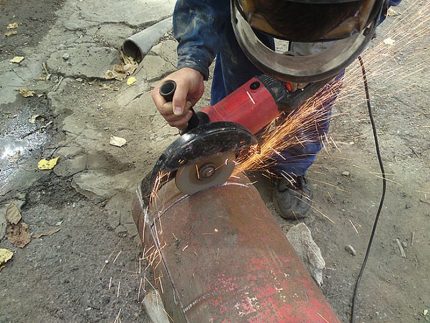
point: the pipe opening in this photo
(130, 48)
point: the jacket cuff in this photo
(195, 66)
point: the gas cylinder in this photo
(220, 256)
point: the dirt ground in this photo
(88, 270)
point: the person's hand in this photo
(189, 90)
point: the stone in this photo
(121, 231)
(154, 307)
(72, 166)
(66, 56)
(85, 60)
(131, 229)
(301, 239)
(154, 67)
(350, 249)
(345, 173)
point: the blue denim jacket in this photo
(198, 25)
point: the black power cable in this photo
(384, 186)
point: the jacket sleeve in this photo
(198, 26)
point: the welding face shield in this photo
(346, 26)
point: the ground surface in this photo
(88, 270)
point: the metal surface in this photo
(317, 67)
(205, 172)
(223, 258)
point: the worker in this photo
(324, 37)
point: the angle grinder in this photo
(206, 152)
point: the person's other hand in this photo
(189, 90)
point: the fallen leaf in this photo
(131, 80)
(389, 41)
(26, 92)
(12, 25)
(5, 256)
(117, 141)
(33, 118)
(17, 59)
(46, 233)
(13, 214)
(45, 164)
(10, 33)
(19, 234)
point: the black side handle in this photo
(167, 90)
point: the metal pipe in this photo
(138, 45)
(222, 257)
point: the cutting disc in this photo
(205, 172)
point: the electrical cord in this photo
(384, 186)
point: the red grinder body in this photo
(258, 102)
(252, 105)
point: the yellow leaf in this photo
(17, 59)
(131, 80)
(5, 256)
(47, 164)
(12, 25)
(26, 92)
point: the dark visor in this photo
(306, 22)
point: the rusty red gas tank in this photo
(220, 256)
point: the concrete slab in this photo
(132, 12)
(117, 207)
(69, 150)
(98, 186)
(84, 60)
(16, 76)
(111, 34)
(154, 68)
(72, 166)
(130, 93)
(167, 50)
(141, 107)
